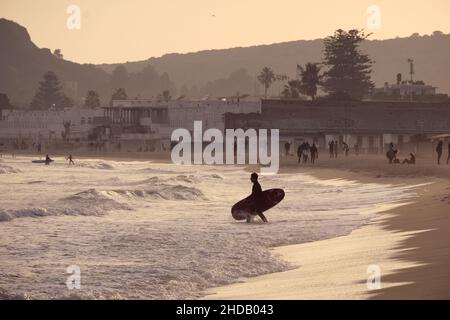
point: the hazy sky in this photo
(119, 30)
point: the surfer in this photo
(47, 160)
(257, 195)
(70, 159)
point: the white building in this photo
(148, 124)
(139, 124)
(37, 126)
(182, 114)
(406, 90)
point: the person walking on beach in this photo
(335, 148)
(346, 148)
(439, 151)
(306, 151)
(70, 159)
(299, 152)
(258, 198)
(448, 157)
(314, 153)
(330, 147)
(287, 147)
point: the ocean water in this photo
(143, 230)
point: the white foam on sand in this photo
(338, 268)
(144, 230)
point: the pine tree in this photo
(349, 69)
(92, 100)
(49, 94)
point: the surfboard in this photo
(40, 161)
(243, 208)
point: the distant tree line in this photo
(50, 93)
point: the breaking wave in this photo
(119, 196)
(167, 192)
(4, 169)
(158, 171)
(100, 165)
(98, 209)
(95, 202)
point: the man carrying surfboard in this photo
(256, 203)
(258, 198)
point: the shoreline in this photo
(409, 243)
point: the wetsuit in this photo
(257, 196)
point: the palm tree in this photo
(292, 89)
(166, 96)
(310, 79)
(266, 77)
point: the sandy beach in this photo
(409, 243)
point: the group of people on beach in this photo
(333, 148)
(307, 153)
(391, 155)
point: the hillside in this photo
(430, 53)
(22, 65)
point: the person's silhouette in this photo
(258, 198)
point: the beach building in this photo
(183, 113)
(369, 125)
(24, 128)
(405, 90)
(147, 125)
(138, 125)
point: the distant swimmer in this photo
(258, 198)
(70, 159)
(47, 160)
